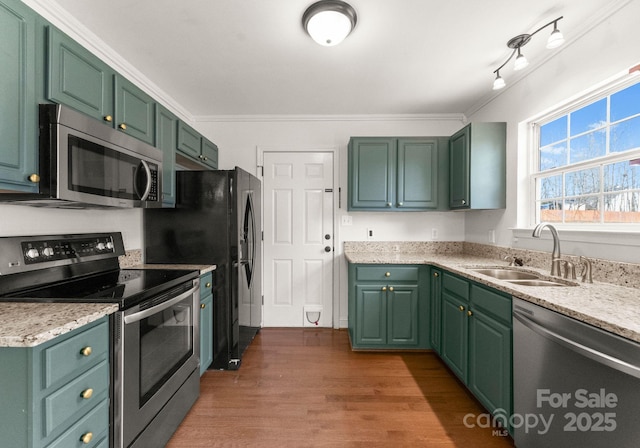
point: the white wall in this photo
(608, 49)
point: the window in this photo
(588, 162)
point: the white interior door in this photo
(298, 239)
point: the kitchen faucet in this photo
(555, 255)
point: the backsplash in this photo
(130, 258)
(606, 271)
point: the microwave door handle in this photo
(160, 307)
(147, 190)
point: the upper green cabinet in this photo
(196, 148)
(166, 138)
(18, 107)
(392, 174)
(79, 79)
(478, 167)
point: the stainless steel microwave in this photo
(84, 163)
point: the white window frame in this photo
(532, 144)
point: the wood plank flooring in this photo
(304, 387)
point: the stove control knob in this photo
(32, 253)
(110, 245)
(100, 246)
(47, 252)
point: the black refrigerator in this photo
(217, 220)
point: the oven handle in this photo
(162, 306)
(581, 349)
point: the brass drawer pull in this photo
(86, 351)
(108, 118)
(87, 393)
(86, 438)
(208, 285)
(34, 178)
(461, 308)
(123, 126)
(469, 313)
(203, 305)
(384, 288)
(387, 274)
(390, 288)
(435, 274)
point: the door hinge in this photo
(339, 197)
(263, 300)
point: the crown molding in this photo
(292, 118)
(75, 29)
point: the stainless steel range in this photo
(154, 335)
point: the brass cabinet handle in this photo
(208, 285)
(387, 274)
(469, 313)
(123, 126)
(34, 178)
(87, 393)
(435, 274)
(205, 158)
(86, 351)
(461, 308)
(464, 202)
(203, 305)
(108, 118)
(384, 288)
(86, 438)
(389, 204)
(400, 204)
(390, 288)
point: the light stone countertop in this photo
(610, 307)
(27, 324)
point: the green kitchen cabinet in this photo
(455, 304)
(477, 167)
(196, 148)
(388, 306)
(166, 140)
(79, 79)
(435, 309)
(57, 393)
(206, 321)
(18, 106)
(397, 174)
(476, 340)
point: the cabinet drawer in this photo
(492, 302)
(63, 358)
(206, 284)
(96, 422)
(455, 285)
(68, 400)
(387, 273)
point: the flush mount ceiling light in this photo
(328, 22)
(555, 40)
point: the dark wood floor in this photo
(306, 388)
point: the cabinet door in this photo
(209, 154)
(79, 79)
(435, 315)
(189, 141)
(18, 108)
(417, 186)
(166, 140)
(490, 362)
(206, 332)
(372, 173)
(135, 111)
(402, 315)
(454, 334)
(371, 315)
(459, 152)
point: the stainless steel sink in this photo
(537, 283)
(506, 274)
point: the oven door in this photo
(158, 350)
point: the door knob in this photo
(327, 249)
(327, 237)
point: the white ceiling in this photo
(252, 57)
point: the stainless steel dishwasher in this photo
(574, 384)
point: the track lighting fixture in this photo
(555, 40)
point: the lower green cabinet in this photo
(206, 321)
(388, 306)
(476, 340)
(435, 309)
(57, 393)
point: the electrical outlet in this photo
(369, 233)
(492, 236)
(434, 234)
(347, 220)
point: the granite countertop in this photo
(203, 268)
(610, 307)
(27, 324)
